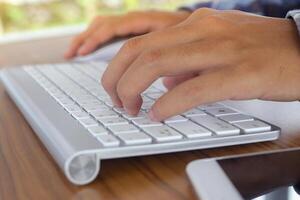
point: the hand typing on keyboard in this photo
(105, 28)
(211, 56)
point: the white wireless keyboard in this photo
(76, 88)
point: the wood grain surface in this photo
(27, 171)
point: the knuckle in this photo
(151, 56)
(216, 22)
(202, 11)
(131, 45)
(212, 19)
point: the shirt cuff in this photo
(295, 15)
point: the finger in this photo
(170, 82)
(79, 40)
(117, 26)
(100, 36)
(75, 44)
(164, 62)
(226, 83)
(133, 48)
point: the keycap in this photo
(88, 102)
(163, 133)
(65, 101)
(86, 122)
(72, 108)
(108, 140)
(140, 115)
(104, 114)
(145, 122)
(219, 127)
(97, 130)
(253, 126)
(92, 107)
(124, 128)
(59, 95)
(236, 118)
(152, 89)
(194, 112)
(113, 121)
(177, 118)
(135, 138)
(191, 129)
(209, 106)
(80, 115)
(154, 95)
(119, 110)
(220, 111)
(146, 106)
(147, 100)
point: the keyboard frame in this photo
(74, 149)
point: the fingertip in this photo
(68, 55)
(85, 49)
(152, 115)
(133, 107)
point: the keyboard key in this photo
(113, 121)
(86, 122)
(146, 106)
(175, 119)
(191, 129)
(92, 107)
(209, 106)
(163, 133)
(80, 115)
(108, 140)
(141, 114)
(253, 126)
(147, 100)
(220, 111)
(72, 108)
(104, 114)
(65, 101)
(89, 102)
(236, 118)
(145, 122)
(154, 95)
(194, 112)
(136, 138)
(97, 130)
(119, 110)
(124, 128)
(219, 127)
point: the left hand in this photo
(211, 56)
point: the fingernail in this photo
(152, 116)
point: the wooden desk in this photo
(27, 171)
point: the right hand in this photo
(105, 28)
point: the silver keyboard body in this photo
(74, 118)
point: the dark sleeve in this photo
(195, 6)
(297, 188)
(272, 8)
